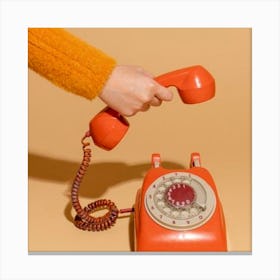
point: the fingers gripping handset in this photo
(194, 84)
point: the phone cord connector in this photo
(83, 220)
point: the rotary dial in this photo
(180, 200)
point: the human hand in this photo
(131, 89)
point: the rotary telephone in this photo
(175, 210)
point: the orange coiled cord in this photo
(83, 219)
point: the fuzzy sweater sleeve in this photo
(68, 62)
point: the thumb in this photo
(163, 93)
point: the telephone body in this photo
(179, 210)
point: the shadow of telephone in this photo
(175, 210)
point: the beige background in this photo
(219, 129)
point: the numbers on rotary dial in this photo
(180, 200)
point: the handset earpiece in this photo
(194, 84)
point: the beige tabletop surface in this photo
(219, 129)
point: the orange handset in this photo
(194, 84)
(175, 210)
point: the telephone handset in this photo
(194, 84)
(175, 210)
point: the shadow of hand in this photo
(98, 178)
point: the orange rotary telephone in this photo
(175, 210)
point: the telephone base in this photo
(179, 210)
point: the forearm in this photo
(68, 61)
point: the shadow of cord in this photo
(101, 175)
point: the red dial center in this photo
(179, 195)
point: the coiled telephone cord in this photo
(83, 220)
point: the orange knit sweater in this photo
(68, 62)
